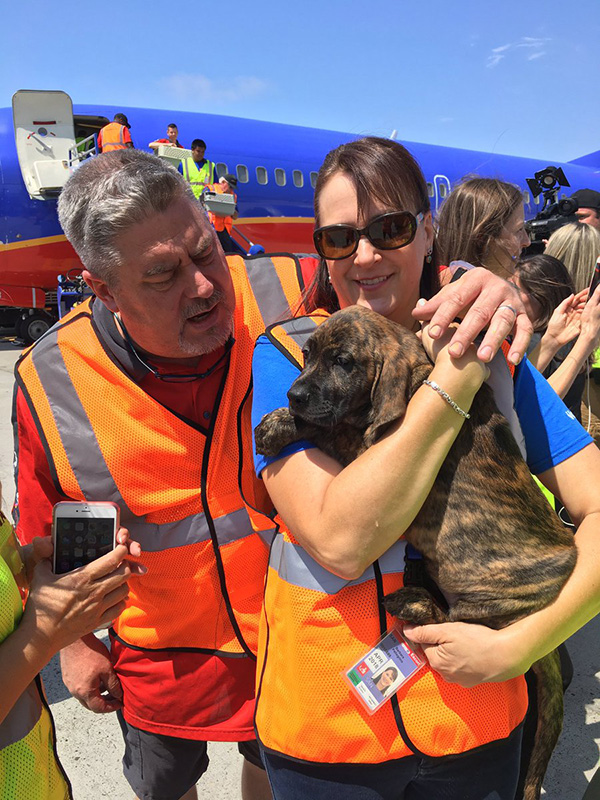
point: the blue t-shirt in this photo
(552, 434)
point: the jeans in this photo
(487, 773)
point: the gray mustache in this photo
(200, 306)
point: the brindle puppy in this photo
(489, 539)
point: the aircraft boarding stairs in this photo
(47, 147)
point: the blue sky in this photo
(505, 76)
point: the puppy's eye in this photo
(347, 362)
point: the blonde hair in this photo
(473, 217)
(577, 245)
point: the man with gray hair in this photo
(139, 397)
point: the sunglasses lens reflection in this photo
(338, 242)
(392, 231)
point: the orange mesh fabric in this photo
(306, 710)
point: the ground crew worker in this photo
(59, 609)
(172, 133)
(224, 225)
(115, 135)
(198, 171)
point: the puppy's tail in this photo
(549, 722)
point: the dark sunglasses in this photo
(387, 232)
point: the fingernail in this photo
(435, 331)
(456, 350)
(515, 358)
(485, 353)
(421, 301)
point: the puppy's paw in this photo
(274, 432)
(415, 605)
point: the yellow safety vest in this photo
(198, 178)
(29, 768)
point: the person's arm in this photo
(564, 325)
(59, 610)
(345, 518)
(470, 654)
(562, 379)
(483, 300)
(563, 456)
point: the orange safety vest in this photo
(113, 137)
(220, 223)
(315, 625)
(181, 489)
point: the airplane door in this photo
(44, 134)
(442, 188)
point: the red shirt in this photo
(177, 693)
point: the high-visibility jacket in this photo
(113, 137)
(220, 223)
(198, 178)
(315, 626)
(28, 764)
(181, 488)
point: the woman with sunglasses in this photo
(452, 731)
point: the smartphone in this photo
(595, 279)
(82, 532)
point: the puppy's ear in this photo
(403, 369)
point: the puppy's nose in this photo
(298, 396)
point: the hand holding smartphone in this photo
(82, 532)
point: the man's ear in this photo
(101, 290)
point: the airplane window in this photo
(537, 200)
(298, 178)
(526, 198)
(262, 175)
(443, 190)
(242, 173)
(221, 169)
(280, 178)
(430, 190)
(313, 179)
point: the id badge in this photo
(377, 676)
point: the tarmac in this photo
(90, 745)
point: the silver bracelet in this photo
(447, 398)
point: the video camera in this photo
(555, 213)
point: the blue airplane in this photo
(276, 166)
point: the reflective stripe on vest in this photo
(180, 488)
(316, 625)
(292, 565)
(113, 137)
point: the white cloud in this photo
(494, 60)
(220, 91)
(531, 43)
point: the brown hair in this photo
(379, 169)
(472, 218)
(547, 280)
